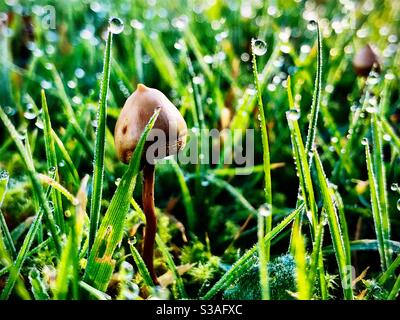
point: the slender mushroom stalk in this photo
(151, 218)
(134, 116)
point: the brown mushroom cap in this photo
(364, 60)
(136, 113)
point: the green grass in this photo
(321, 191)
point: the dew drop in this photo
(9, 110)
(293, 114)
(52, 171)
(45, 84)
(312, 25)
(266, 209)
(398, 204)
(394, 186)
(79, 73)
(115, 25)
(39, 123)
(3, 175)
(387, 137)
(205, 183)
(364, 141)
(71, 84)
(30, 115)
(259, 47)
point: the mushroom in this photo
(170, 129)
(364, 61)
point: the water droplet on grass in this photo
(387, 137)
(259, 47)
(39, 123)
(116, 25)
(312, 25)
(398, 204)
(30, 115)
(45, 84)
(293, 114)
(266, 210)
(364, 141)
(394, 186)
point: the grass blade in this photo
(69, 112)
(187, 199)
(52, 164)
(303, 284)
(312, 129)
(335, 229)
(264, 223)
(98, 165)
(8, 241)
(376, 208)
(141, 266)
(379, 169)
(171, 265)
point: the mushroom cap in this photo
(134, 116)
(364, 60)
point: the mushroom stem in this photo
(151, 220)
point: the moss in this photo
(282, 281)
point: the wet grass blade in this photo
(186, 197)
(66, 157)
(181, 292)
(335, 229)
(38, 286)
(241, 265)
(317, 263)
(390, 271)
(395, 290)
(367, 245)
(144, 272)
(99, 295)
(8, 241)
(302, 167)
(100, 263)
(312, 129)
(99, 152)
(379, 169)
(236, 194)
(52, 163)
(376, 208)
(69, 112)
(264, 223)
(302, 280)
(394, 139)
